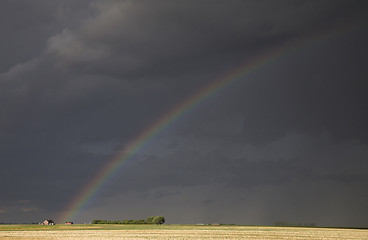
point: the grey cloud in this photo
(127, 38)
(294, 157)
(299, 94)
(26, 27)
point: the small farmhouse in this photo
(48, 222)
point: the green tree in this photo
(159, 220)
(149, 220)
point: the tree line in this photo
(288, 224)
(150, 220)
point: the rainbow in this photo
(167, 119)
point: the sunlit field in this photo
(32, 232)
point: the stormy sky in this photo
(288, 142)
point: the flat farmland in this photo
(106, 232)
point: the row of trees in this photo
(288, 224)
(150, 220)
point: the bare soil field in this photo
(182, 232)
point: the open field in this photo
(107, 232)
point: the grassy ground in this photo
(183, 232)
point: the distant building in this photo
(68, 223)
(48, 222)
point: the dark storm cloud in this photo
(80, 79)
(26, 26)
(128, 38)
